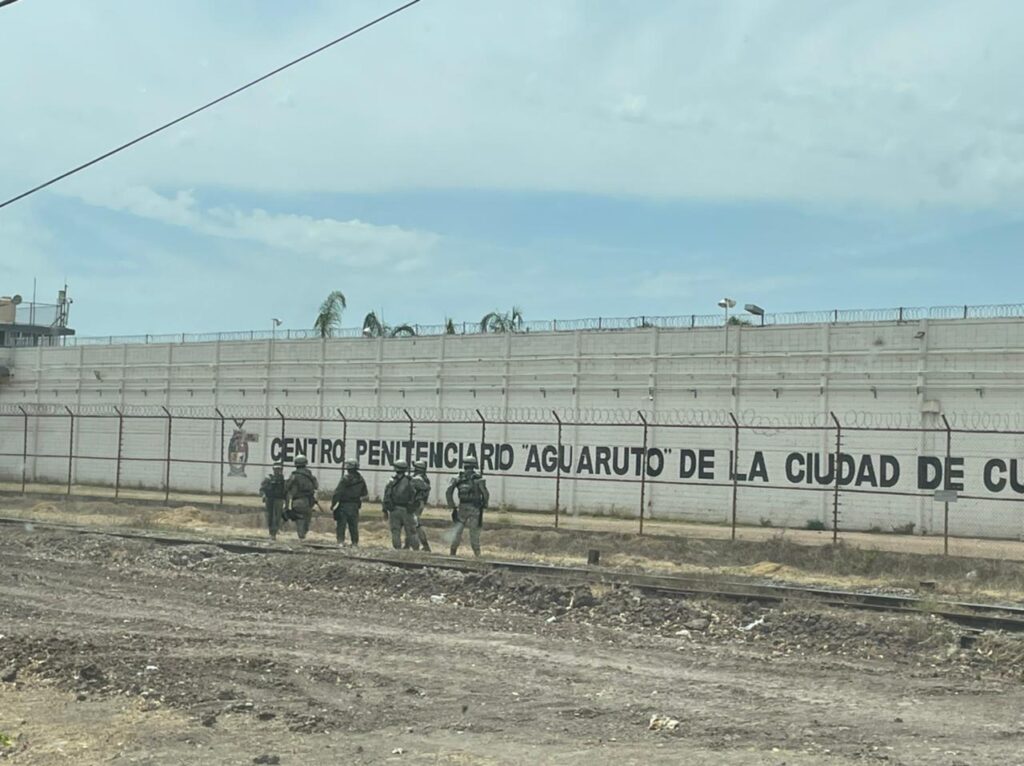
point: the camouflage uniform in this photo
(399, 496)
(272, 492)
(301, 490)
(421, 484)
(348, 497)
(473, 498)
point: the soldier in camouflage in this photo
(399, 496)
(421, 484)
(348, 497)
(272, 492)
(473, 497)
(300, 489)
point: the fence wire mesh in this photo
(856, 472)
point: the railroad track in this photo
(977, 617)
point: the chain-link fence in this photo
(857, 472)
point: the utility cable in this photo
(204, 107)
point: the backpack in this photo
(402, 492)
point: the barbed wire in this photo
(684, 321)
(971, 420)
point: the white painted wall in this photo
(884, 374)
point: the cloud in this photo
(870, 103)
(353, 243)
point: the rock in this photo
(582, 597)
(698, 624)
(208, 720)
(437, 599)
(267, 716)
(754, 624)
(662, 723)
(397, 751)
(267, 759)
(10, 675)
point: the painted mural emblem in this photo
(238, 449)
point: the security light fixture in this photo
(753, 308)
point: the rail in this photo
(596, 324)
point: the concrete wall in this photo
(871, 375)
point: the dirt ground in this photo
(659, 527)
(122, 651)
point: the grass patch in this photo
(816, 525)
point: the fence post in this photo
(280, 415)
(945, 509)
(344, 434)
(558, 468)
(24, 447)
(222, 447)
(120, 449)
(735, 464)
(835, 490)
(71, 446)
(483, 440)
(643, 472)
(409, 453)
(167, 460)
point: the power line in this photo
(6, 2)
(204, 107)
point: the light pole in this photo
(275, 323)
(753, 308)
(726, 303)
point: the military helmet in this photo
(420, 464)
(301, 461)
(401, 465)
(353, 464)
(470, 462)
(278, 467)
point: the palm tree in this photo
(496, 321)
(328, 320)
(373, 327)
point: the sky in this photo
(575, 158)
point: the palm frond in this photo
(489, 322)
(403, 330)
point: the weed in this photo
(6, 740)
(904, 529)
(766, 522)
(815, 524)
(875, 530)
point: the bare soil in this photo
(122, 651)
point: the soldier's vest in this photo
(402, 492)
(350, 489)
(274, 487)
(304, 485)
(422, 486)
(469, 491)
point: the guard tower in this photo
(34, 324)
